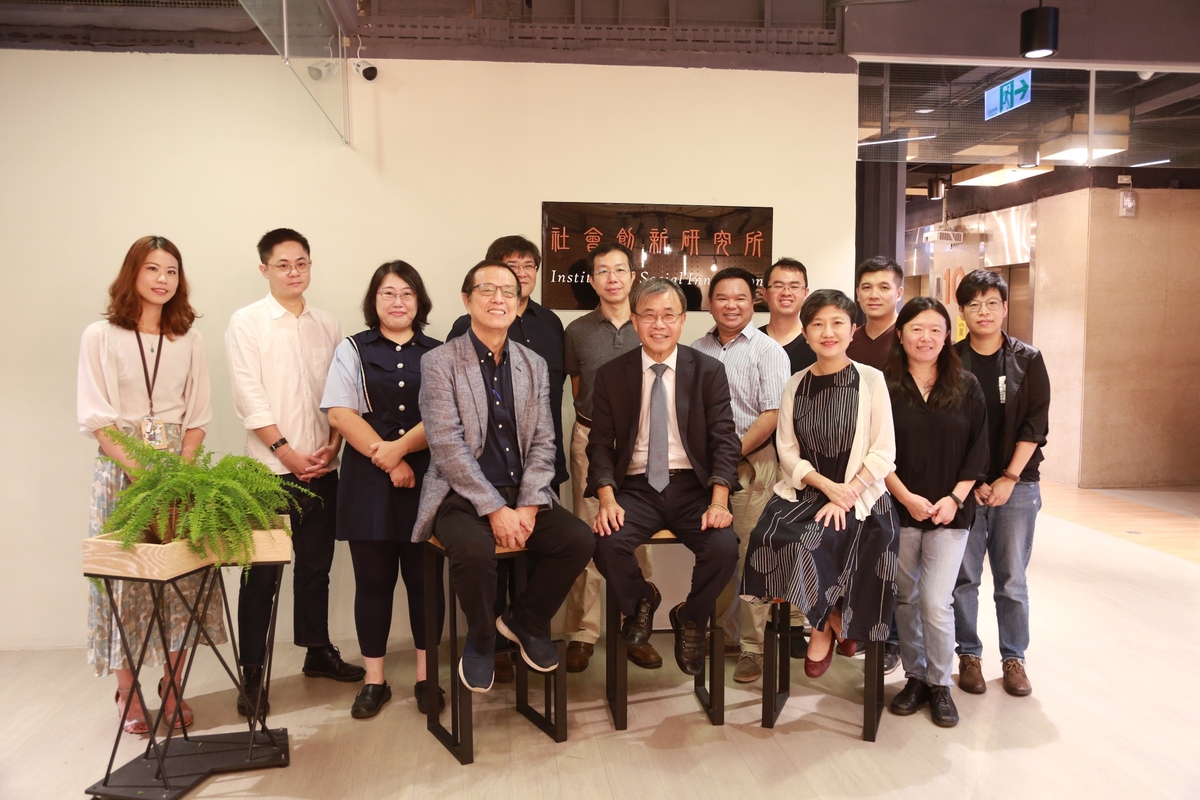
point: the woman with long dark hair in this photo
(826, 542)
(371, 398)
(941, 452)
(142, 370)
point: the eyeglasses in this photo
(778, 286)
(620, 272)
(522, 267)
(389, 296)
(284, 267)
(667, 319)
(489, 289)
(976, 306)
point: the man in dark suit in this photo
(485, 403)
(663, 453)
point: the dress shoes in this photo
(254, 692)
(370, 699)
(891, 658)
(798, 648)
(970, 675)
(502, 668)
(578, 655)
(941, 707)
(644, 655)
(689, 642)
(476, 668)
(421, 691)
(749, 667)
(638, 625)
(1016, 682)
(326, 662)
(912, 698)
(847, 647)
(815, 669)
(536, 649)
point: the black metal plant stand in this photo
(172, 766)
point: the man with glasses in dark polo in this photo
(486, 408)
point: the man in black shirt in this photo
(539, 329)
(785, 286)
(485, 404)
(1016, 389)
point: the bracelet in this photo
(278, 444)
(717, 505)
(1010, 476)
(954, 497)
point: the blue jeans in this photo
(1005, 533)
(927, 567)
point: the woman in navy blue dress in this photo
(371, 398)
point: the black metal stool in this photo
(459, 738)
(616, 684)
(777, 673)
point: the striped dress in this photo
(813, 566)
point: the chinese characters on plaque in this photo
(686, 243)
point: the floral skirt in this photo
(793, 557)
(133, 598)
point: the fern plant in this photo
(213, 508)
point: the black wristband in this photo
(954, 497)
(278, 445)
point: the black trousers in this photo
(377, 565)
(563, 542)
(313, 529)
(677, 508)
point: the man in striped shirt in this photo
(757, 368)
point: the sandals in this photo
(183, 720)
(135, 720)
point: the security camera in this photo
(366, 69)
(322, 69)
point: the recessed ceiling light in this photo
(924, 110)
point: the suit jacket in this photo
(701, 405)
(454, 407)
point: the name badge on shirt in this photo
(1002, 389)
(154, 433)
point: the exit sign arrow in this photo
(1011, 94)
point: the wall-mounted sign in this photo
(1011, 94)
(687, 243)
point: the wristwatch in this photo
(278, 445)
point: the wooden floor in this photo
(1116, 641)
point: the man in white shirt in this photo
(757, 368)
(279, 351)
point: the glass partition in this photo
(311, 41)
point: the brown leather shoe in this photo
(970, 675)
(1015, 681)
(749, 667)
(578, 655)
(644, 655)
(504, 669)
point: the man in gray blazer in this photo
(485, 403)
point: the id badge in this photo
(1003, 390)
(154, 433)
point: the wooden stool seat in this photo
(616, 684)
(459, 738)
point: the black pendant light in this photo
(1039, 32)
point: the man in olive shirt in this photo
(591, 341)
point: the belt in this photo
(770, 441)
(582, 420)
(670, 473)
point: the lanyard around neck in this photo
(150, 381)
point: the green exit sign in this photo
(1011, 94)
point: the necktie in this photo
(657, 474)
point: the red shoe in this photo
(847, 647)
(815, 669)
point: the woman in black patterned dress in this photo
(827, 540)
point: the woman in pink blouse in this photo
(142, 370)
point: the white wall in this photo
(211, 151)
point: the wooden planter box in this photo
(103, 557)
